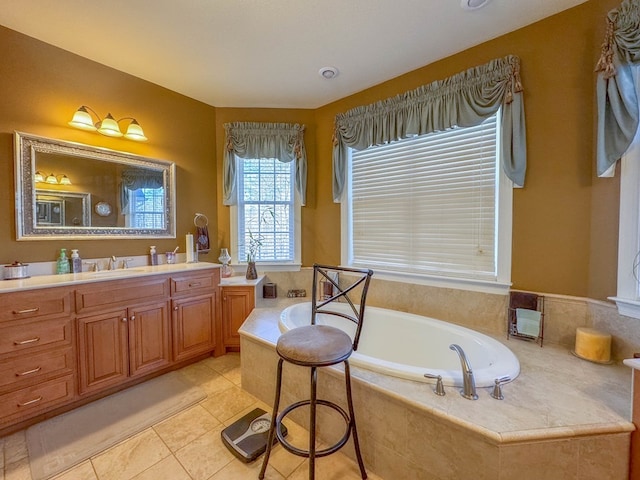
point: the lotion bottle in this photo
(62, 264)
(76, 262)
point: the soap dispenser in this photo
(62, 264)
(76, 261)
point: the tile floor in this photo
(188, 446)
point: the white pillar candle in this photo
(189, 248)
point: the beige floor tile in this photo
(223, 363)
(205, 456)
(130, 457)
(82, 471)
(185, 427)
(237, 470)
(167, 469)
(228, 403)
(332, 467)
(206, 378)
(18, 470)
(15, 447)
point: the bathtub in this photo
(408, 346)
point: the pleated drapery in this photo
(282, 141)
(463, 100)
(615, 88)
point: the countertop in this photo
(47, 281)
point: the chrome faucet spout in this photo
(113, 262)
(468, 382)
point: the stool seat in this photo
(319, 345)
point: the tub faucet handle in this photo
(497, 387)
(439, 390)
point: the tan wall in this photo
(565, 219)
(559, 244)
(41, 87)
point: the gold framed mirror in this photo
(67, 190)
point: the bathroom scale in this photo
(247, 437)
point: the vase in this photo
(224, 258)
(252, 273)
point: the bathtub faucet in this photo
(468, 383)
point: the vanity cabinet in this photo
(237, 304)
(194, 308)
(116, 344)
(37, 356)
(63, 346)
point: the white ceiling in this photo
(267, 53)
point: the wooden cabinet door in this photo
(237, 304)
(149, 345)
(102, 343)
(193, 326)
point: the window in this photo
(147, 209)
(628, 295)
(267, 210)
(435, 206)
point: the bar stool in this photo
(320, 345)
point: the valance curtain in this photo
(463, 100)
(135, 179)
(282, 141)
(617, 97)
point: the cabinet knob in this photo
(124, 319)
(175, 309)
(133, 317)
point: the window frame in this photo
(296, 211)
(628, 291)
(504, 226)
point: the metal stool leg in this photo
(312, 424)
(354, 431)
(272, 427)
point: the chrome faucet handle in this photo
(439, 390)
(497, 387)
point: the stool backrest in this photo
(350, 289)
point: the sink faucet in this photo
(468, 383)
(113, 262)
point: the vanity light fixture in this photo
(108, 126)
(52, 179)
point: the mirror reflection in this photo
(68, 190)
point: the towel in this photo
(202, 239)
(528, 322)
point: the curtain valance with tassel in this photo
(282, 141)
(615, 88)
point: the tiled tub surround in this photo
(486, 312)
(563, 417)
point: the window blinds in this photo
(427, 204)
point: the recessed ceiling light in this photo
(473, 4)
(328, 72)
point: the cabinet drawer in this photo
(41, 304)
(108, 295)
(29, 401)
(26, 369)
(25, 336)
(195, 283)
